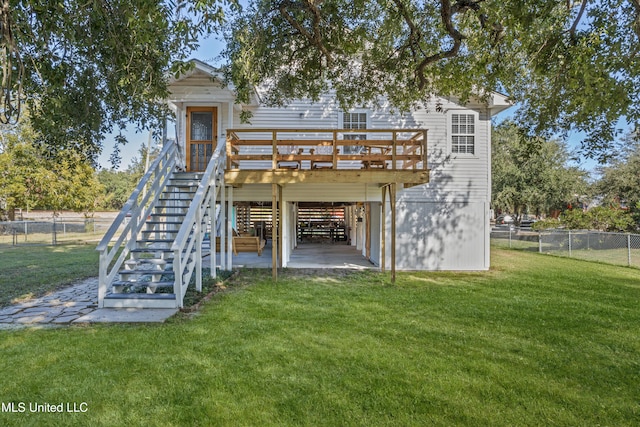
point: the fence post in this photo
(569, 243)
(629, 249)
(509, 237)
(539, 241)
(54, 237)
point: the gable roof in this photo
(497, 102)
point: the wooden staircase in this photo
(147, 278)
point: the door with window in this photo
(202, 129)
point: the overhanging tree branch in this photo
(316, 38)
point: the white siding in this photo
(442, 225)
(440, 236)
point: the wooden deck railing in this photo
(272, 149)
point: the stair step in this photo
(140, 301)
(160, 284)
(145, 272)
(164, 222)
(174, 199)
(182, 183)
(167, 214)
(160, 231)
(151, 250)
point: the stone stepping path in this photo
(57, 308)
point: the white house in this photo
(410, 191)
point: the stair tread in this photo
(146, 271)
(161, 283)
(140, 296)
(164, 222)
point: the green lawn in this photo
(35, 270)
(539, 340)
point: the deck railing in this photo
(264, 149)
(187, 247)
(133, 216)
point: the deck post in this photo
(335, 150)
(198, 237)
(394, 153)
(280, 226)
(212, 233)
(274, 143)
(223, 229)
(230, 229)
(383, 224)
(274, 232)
(392, 197)
(424, 150)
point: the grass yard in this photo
(35, 270)
(539, 340)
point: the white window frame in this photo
(461, 130)
(341, 125)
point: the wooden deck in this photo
(288, 156)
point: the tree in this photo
(88, 68)
(599, 218)
(31, 177)
(118, 186)
(569, 64)
(531, 175)
(619, 182)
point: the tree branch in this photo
(315, 38)
(572, 30)
(636, 6)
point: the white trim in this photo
(364, 111)
(476, 133)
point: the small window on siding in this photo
(354, 121)
(463, 130)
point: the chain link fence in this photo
(53, 231)
(612, 248)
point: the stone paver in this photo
(59, 307)
(75, 304)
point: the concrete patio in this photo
(307, 255)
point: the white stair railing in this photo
(136, 209)
(187, 247)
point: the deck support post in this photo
(223, 229)
(280, 226)
(230, 229)
(392, 198)
(274, 232)
(383, 224)
(212, 232)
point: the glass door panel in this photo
(201, 135)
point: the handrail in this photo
(137, 210)
(394, 149)
(191, 234)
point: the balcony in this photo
(288, 156)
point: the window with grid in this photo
(463, 131)
(354, 121)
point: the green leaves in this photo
(571, 66)
(531, 175)
(33, 177)
(91, 67)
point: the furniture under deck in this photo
(288, 156)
